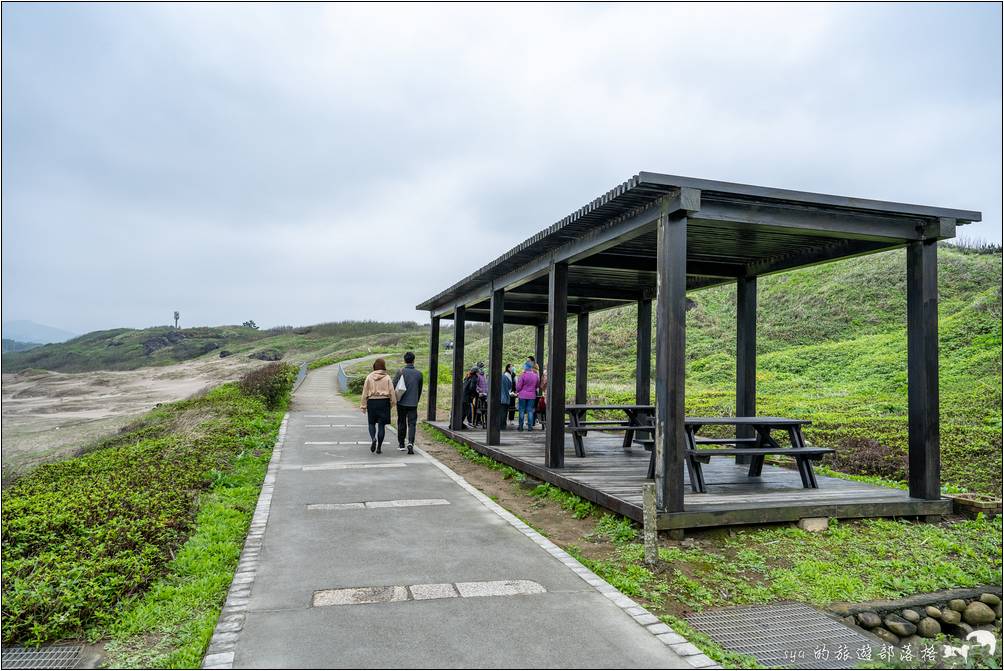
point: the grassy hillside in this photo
(128, 349)
(832, 348)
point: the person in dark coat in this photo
(407, 403)
(510, 372)
(505, 397)
(470, 389)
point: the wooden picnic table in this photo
(638, 417)
(641, 418)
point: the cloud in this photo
(304, 163)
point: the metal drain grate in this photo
(51, 657)
(788, 634)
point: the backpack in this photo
(402, 387)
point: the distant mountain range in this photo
(25, 331)
(18, 346)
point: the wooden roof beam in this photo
(648, 264)
(822, 223)
(597, 240)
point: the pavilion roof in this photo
(734, 230)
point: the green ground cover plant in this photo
(851, 561)
(141, 535)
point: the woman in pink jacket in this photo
(526, 392)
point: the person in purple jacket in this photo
(526, 392)
(482, 380)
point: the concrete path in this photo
(458, 586)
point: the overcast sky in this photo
(294, 164)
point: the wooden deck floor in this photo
(612, 477)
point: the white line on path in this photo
(401, 503)
(339, 467)
(353, 596)
(337, 442)
(334, 426)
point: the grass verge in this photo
(138, 539)
(172, 624)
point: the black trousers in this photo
(468, 410)
(407, 416)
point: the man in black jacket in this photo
(407, 403)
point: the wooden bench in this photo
(638, 420)
(803, 456)
(598, 425)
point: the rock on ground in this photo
(869, 620)
(814, 524)
(957, 604)
(978, 613)
(928, 627)
(899, 626)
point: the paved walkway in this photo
(457, 584)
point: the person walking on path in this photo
(407, 403)
(377, 400)
(505, 397)
(526, 390)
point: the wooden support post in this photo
(495, 408)
(746, 295)
(457, 409)
(643, 360)
(557, 318)
(922, 369)
(650, 530)
(538, 345)
(582, 358)
(433, 385)
(670, 360)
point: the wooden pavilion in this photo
(651, 240)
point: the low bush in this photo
(271, 383)
(356, 384)
(83, 536)
(270, 354)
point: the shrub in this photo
(270, 354)
(271, 383)
(356, 384)
(867, 456)
(84, 535)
